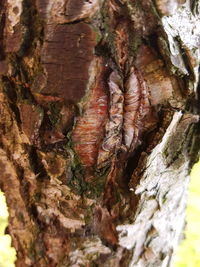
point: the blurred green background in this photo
(188, 254)
(7, 254)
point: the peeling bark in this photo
(99, 126)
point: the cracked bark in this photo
(99, 128)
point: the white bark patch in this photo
(89, 251)
(55, 195)
(159, 219)
(167, 7)
(14, 13)
(68, 223)
(186, 27)
(156, 160)
(183, 24)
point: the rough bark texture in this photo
(99, 108)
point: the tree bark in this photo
(99, 128)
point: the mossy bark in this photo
(99, 128)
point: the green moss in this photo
(97, 32)
(154, 10)
(77, 183)
(98, 37)
(164, 198)
(95, 189)
(54, 113)
(89, 216)
(109, 35)
(134, 44)
(103, 171)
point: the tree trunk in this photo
(99, 128)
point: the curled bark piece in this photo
(89, 129)
(112, 140)
(136, 108)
